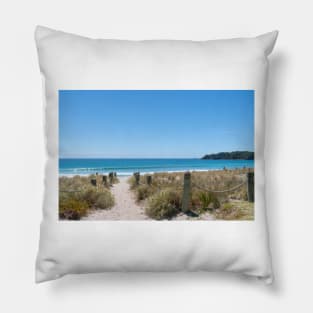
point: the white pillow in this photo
(70, 62)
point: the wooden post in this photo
(149, 180)
(114, 174)
(111, 178)
(250, 186)
(186, 192)
(105, 180)
(93, 182)
(137, 177)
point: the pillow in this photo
(155, 155)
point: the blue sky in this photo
(154, 123)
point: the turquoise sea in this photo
(125, 167)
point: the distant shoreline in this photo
(234, 155)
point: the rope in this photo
(219, 191)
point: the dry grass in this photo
(77, 195)
(235, 210)
(203, 197)
(164, 204)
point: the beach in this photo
(158, 196)
(126, 207)
(128, 166)
(157, 155)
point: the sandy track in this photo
(125, 207)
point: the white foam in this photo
(143, 172)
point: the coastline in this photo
(214, 194)
(128, 174)
(126, 167)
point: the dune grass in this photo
(164, 204)
(235, 210)
(77, 195)
(163, 197)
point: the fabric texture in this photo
(71, 62)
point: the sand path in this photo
(125, 207)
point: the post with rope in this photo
(250, 186)
(186, 192)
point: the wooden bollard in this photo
(111, 178)
(105, 180)
(186, 192)
(149, 180)
(137, 177)
(250, 186)
(93, 182)
(114, 174)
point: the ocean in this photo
(126, 167)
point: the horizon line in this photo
(139, 157)
(87, 157)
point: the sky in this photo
(154, 123)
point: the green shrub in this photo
(104, 200)
(205, 199)
(237, 210)
(132, 182)
(101, 199)
(164, 205)
(72, 209)
(143, 192)
(77, 196)
(208, 198)
(90, 196)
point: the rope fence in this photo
(220, 191)
(98, 182)
(188, 185)
(249, 181)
